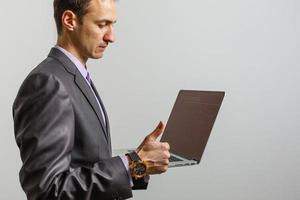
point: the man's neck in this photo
(71, 49)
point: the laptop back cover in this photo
(191, 121)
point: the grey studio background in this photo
(248, 48)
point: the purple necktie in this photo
(88, 78)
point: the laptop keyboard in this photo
(174, 159)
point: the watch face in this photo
(139, 169)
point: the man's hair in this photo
(79, 7)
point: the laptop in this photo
(190, 124)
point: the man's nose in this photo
(109, 35)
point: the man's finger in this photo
(165, 146)
(157, 132)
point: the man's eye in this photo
(101, 25)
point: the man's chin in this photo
(97, 56)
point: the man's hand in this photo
(156, 154)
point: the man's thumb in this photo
(157, 131)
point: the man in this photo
(61, 125)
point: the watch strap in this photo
(133, 156)
(140, 184)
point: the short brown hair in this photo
(79, 7)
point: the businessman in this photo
(61, 126)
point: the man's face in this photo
(93, 35)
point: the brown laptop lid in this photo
(191, 121)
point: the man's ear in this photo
(69, 20)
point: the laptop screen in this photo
(191, 121)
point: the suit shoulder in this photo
(49, 69)
(49, 66)
(49, 75)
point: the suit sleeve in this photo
(44, 131)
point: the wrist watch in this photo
(137, 167)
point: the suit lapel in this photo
(82, 85)
(104, 112)
(86, 90)
(103, 109)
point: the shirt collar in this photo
(83, 71)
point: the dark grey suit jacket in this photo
(65, 146)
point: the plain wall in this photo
(248, 48)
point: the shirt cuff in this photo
(126, 164)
